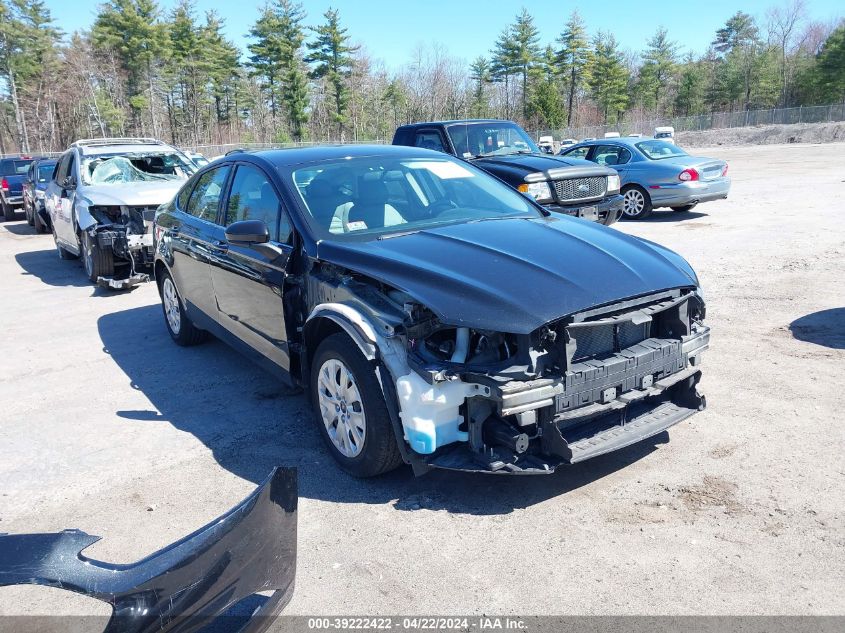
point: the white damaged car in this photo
(102, 200)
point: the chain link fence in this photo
(717, 120)
(213, 151)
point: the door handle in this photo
(220, 245)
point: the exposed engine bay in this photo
(127, 232)
(577, 387)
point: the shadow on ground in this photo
(826, 327)
(19, 227)
(248, 421)
(53, 271)
(666, 215)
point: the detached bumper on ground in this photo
(189, 584)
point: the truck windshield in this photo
(135, 167)
(496, 138)
(372, 198)
(14, 167)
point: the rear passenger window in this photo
(252, 198)
(429, 139)
(580, 152)
(204, 201)
(182, 198)
(611, 155)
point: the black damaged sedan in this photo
(436, 316)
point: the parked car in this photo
(503, 149)
(546, 144)
(657, 174)
(611, 134)
(665, 133)
(198, 159)
(38, 176)
(564, 143)
(102, 200)
(12, 176)
(436, 316)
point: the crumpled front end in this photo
(189, 584)
(582, 386)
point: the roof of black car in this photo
(294, 155)
(457, 122)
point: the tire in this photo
(366, 445)
(636, 204)
(29, 219)
(685, 208)
(38, 223)
(8, 211)
(98, 262)
(180, 327)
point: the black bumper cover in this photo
(187, 585)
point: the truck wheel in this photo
(29, 219)
(8, 211)
(685, 208)
(350, 410)
(636, 203)
(38, 223)
(182, 330)
(98, 262)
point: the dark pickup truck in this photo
(12, 175)
(502, 148)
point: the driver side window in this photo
(578, 152)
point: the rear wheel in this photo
(98, 262)
(636, 203)
(182, 330)
(8, 211)
(28, 213)
(684, 208)
(350, 409)
(38, 223)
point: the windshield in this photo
(135, 167)
(656, 150)
(490, 139)
(13, 167)
(372, 198)
(45, 172)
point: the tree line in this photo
(141, 70)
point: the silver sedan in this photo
(656, 174)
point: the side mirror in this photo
(68, 183)
(247, 232)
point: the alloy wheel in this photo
(341, 408)
(633, 202)
(171, 306)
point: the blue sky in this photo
(390, 29)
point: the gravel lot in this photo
(109, 427)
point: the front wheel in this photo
(27, 211)
(98, 262)
(180, 327)
(684, 208)
(636, 203)
(38, 223)
(350, 409)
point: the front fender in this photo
(355, 324)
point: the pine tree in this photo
(224, 71)
(295, 84)
(134, 31)
(739, 42)
(830, 69)
(659, 67)
(690, 96)
(479, 72)
(573, 60)
(609, 77)
(331, 55)
(266, 56)
(545, 104)
(526, 49)
(504, 64)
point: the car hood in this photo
(134, 194)
(543, 163)
(514, 275)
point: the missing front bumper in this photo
(124, 283)
(186, 586)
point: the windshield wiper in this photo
(387, 236)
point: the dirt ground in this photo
(765, 135)
(109, 427)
